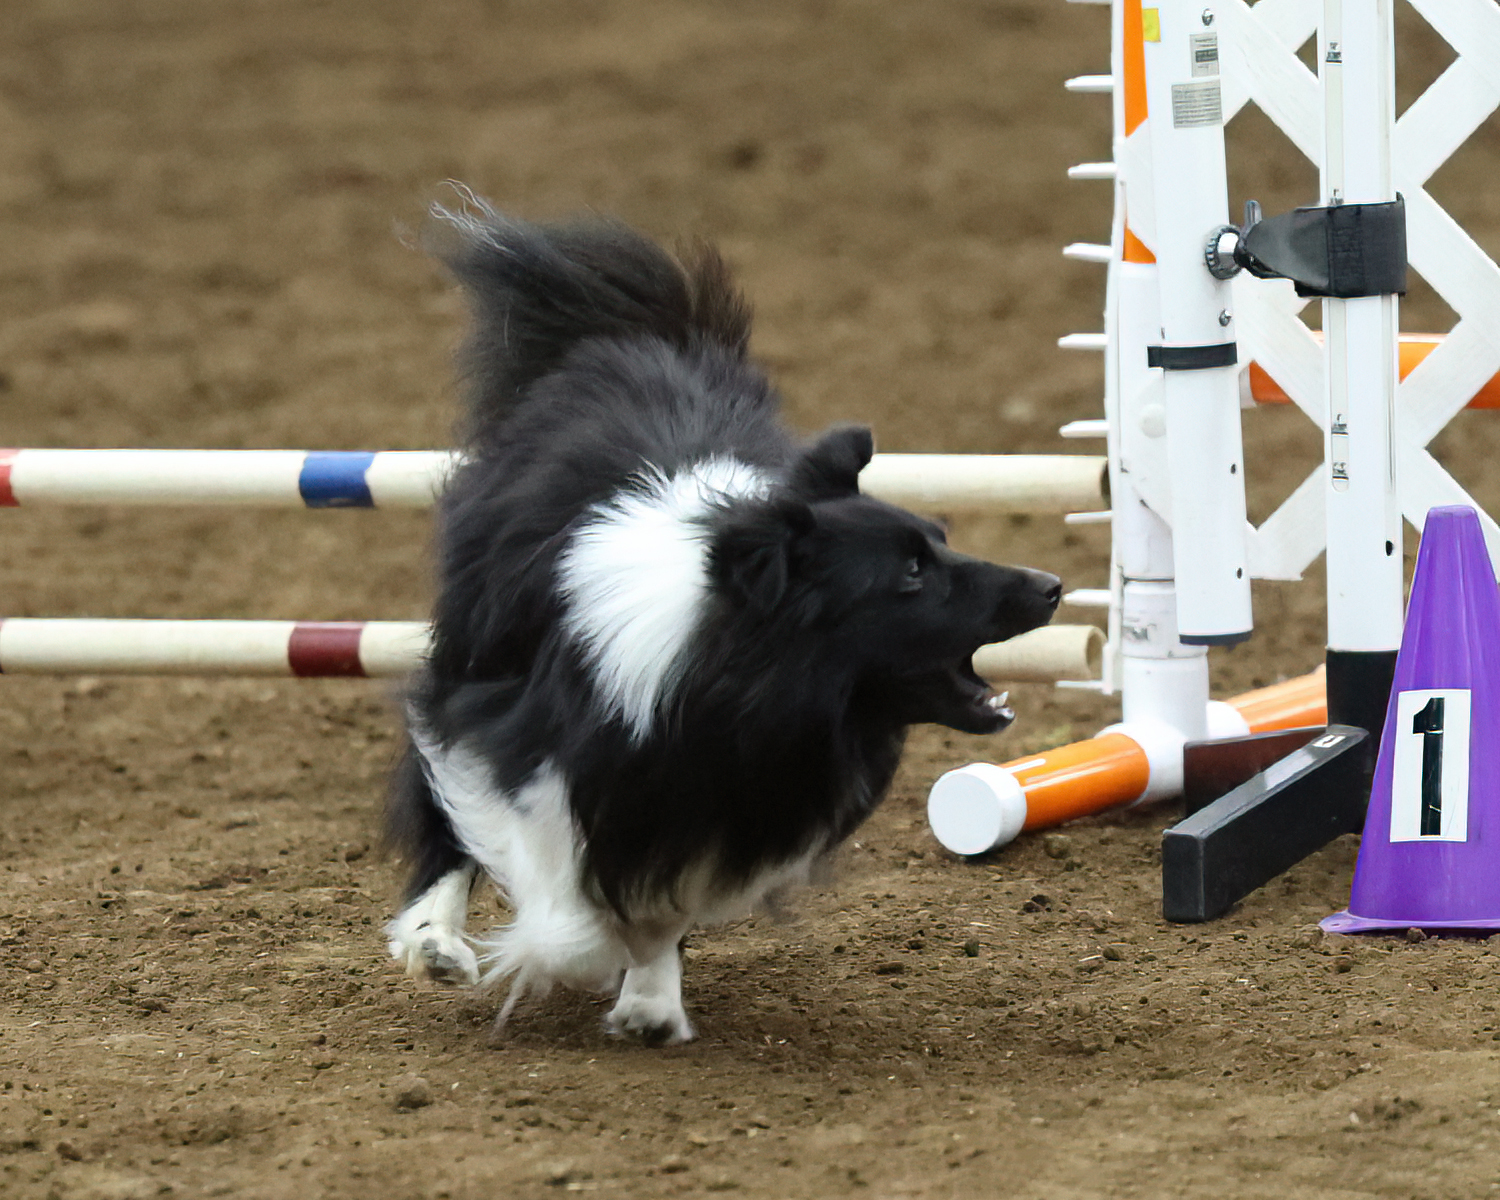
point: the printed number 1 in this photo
(1429, 723)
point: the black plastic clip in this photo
(1340, 250)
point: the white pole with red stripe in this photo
(377, 649)
(86, 646)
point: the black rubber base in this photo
(1359, 688)
(1271, 822)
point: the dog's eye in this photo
(911, 577)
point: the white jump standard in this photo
(1190, 67)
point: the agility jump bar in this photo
(1042, 483)
(88, 646)
(376, 649)
(1114, 769)
(268, 478)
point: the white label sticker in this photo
(1196, 104)
(1205, 53)
(1430, 780)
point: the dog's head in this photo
(880, 587)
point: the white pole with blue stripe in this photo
(315, 479)
(1039, 483)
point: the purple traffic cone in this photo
(1430, 857)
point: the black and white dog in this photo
(675, 652)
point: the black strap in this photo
(1192, 358)
(1342, 250)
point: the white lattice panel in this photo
(1260, 66)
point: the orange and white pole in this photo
(982, 807)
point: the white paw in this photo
(655, 1020)
(429, 952)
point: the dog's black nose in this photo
(1049, 585)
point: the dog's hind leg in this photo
(650, 1003)
(427, 938)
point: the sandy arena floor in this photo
(203, 242)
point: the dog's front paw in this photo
(654, 1020)
(431, 953)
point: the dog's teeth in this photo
(998, 702)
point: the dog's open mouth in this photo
(990, 711)
(955, 696)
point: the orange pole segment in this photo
(1081, 778)
(1413, 348)
(1293, 704)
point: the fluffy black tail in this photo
(536, 291)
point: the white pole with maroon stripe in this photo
(378, 649)
(84, 646)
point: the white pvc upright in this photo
(1160, 677)
(1201, 405)
(1363, 507)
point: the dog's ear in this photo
(755, 554)
(830, 467)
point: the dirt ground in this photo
(204, 218)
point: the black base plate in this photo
(1271, 822)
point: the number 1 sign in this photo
(1430, 780)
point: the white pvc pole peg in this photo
(1083, 341)
(968, 482)
(1091, 252)
(1043, 655)
(976, 808)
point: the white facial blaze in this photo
(635, 578)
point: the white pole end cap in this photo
(976, 808)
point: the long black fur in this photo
(594, 355)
